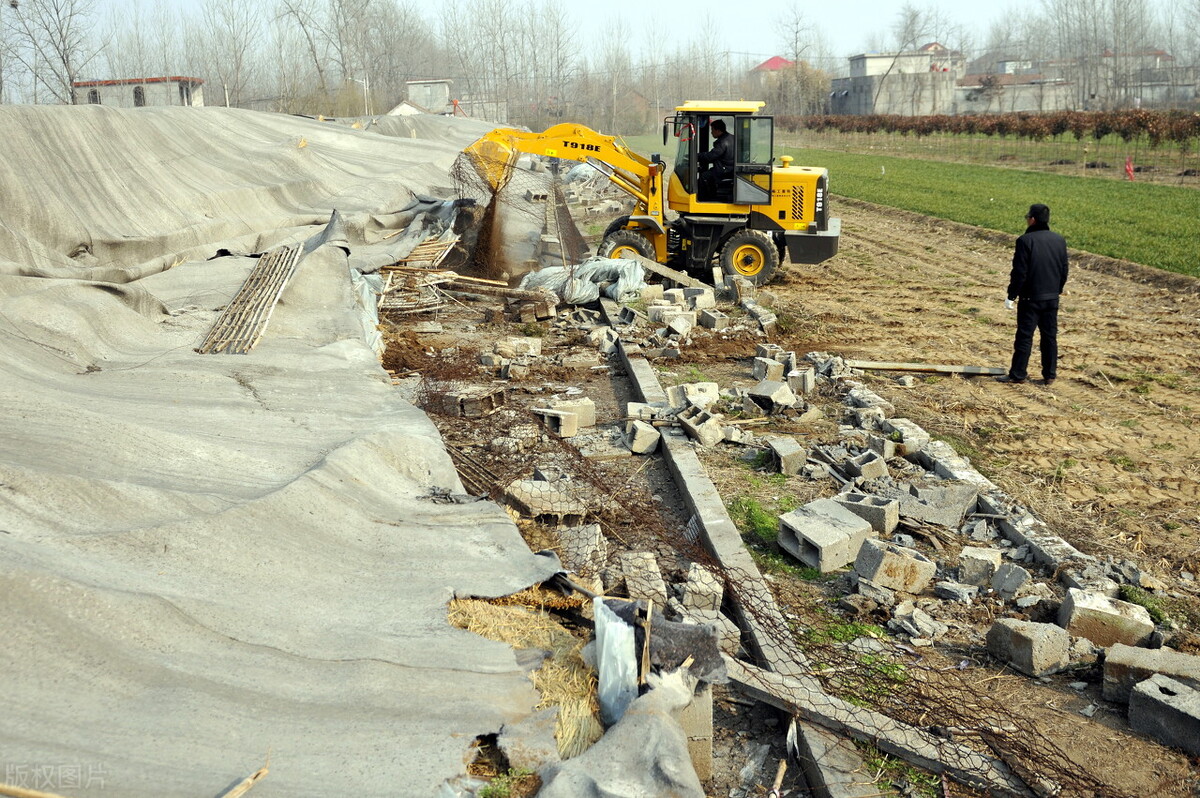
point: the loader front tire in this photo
(626, 244)
(751, 254)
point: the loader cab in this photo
(753, 146)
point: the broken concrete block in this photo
(580, 360)
(584, 549)
(641, 437)
(656, 310)
(713, 319)
(605, 339)
(1008, 579)
(1035, 649)
(1104, 620)
(548, 502)
(910, 438)
(1125, 666)
(703, 590)
(977, 565)
(956, 591)
(802, 380)
(865, 397)
(823, 534)
(676, 296)
(514, 371)
(702, 426)
(583, 408)
(652, 293)
(944, 505)
(788, 453)
(772, 396)
(895, 567)
(473, 402)
(521, 345)
(882, 514)
(884, 447)
(867, 465)
(696, 720)
(770, 351)
(1168, 711)
(916, 623)
(700, 298)
(643, 580)
(641, 411)
(693, 394)
(767, 369)
(867, 418)
(492, 359)
(881, 595)
(831, 764)
(680, 323)
(562, 423)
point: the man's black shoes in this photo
(1008, 378)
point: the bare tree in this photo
(232, 33)
(53, 45)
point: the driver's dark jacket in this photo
(720, 155)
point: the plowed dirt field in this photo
(1109, 455)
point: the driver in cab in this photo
(719, 159)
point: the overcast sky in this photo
(752, 26)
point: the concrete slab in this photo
(1168, 711)
(1104, 620)
(1125, 666)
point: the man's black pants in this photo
(1040, 315)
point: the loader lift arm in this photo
(495, 155)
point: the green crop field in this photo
(1150, 224)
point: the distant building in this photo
(138, 92)
(437, 97)
(911, 83)
(767, 73)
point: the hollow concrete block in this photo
(823, 534)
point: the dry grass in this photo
(563, 680)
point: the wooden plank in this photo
(886, 365)
(663, 271)
(805, 698)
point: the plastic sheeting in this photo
(616, 657)
(619, 279)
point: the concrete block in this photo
(676, 296)
(583, 408)
(910, 438)
(865, 397)
(548, 502)
(940, 458)
(767, 369)
(693, 394)
(656, 311)
(867, 465)
(1125, 666)
(680, 323)
(772, 396)
(977, 565)
(1009, 578)
(823, 534)
(1103, 620)
(916, 623)
(522, 345)
(580, 360)
(788, 453)
(956, 591)
(894, 567)
(702, 426)
(641, 437)
(802, 381)
(643, 580)
(884, 447)
(771, 351)
(1168, 711)
(882, 514)
(700, 298)
(884, 597)
(831, 764)
(652, 293)
(703, 590)
(712, 319)
(642, 411)
(945, 505)
(562, 423)
(584, 549)
(696, 720)
(1036, 649)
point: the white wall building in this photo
(138, 92)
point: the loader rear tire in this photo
(751, 254)
(625, 244)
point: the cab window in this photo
(754, 139)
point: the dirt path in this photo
(1110, 455)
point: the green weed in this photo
(754, 520)
(908, 779)
(516, 782)
(1124, 462)
(1135, 595)
(532, 330)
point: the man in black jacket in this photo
(719, 157)
(1039, 272)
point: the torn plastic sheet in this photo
(621, 280)
(616, 657)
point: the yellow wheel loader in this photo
(748, 219)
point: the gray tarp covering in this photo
(208, 558)
(617, 278)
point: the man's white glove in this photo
(1009, 304)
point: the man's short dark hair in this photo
(718, 124)
(1040, 213)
